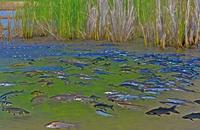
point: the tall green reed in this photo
(162, 22)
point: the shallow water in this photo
(90, 68)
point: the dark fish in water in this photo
(11, 93)
(103, 105)
(192, 116)
(61, 125)
(39, 99)
(103, 113)
(15, 111)
(161, 110)
(197, 101)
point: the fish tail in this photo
(173, 109)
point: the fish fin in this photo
(172, 109)
(168, 113)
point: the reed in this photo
(111, 20)
(161, 22)
(60, 18)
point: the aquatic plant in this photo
(59, 18)
(111, 20)
(164, 23)
(170, 23)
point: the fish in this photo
(15, 110)
(147, 97)
(123, 97)
(39, 99)
(111, 93)
(119, 60)
(103, 105)
(80, 65)
(152, 92)
(83, 76)
(61, 77)
(6, 84)
(177, 102)
(45, 76)
(74, 62)
(126, 97)
(172, 103)
(192, 116)
(11, 93)
(84, 99)
(133, 85)
(64, 97)
(156, 89)
(61, 125)
(103, 113)
(129, 105)
(101, 72)
(184, 90)
(161, 110)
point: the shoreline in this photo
(136, 45)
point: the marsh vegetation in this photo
(161, 23)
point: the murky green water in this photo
(26, 65)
